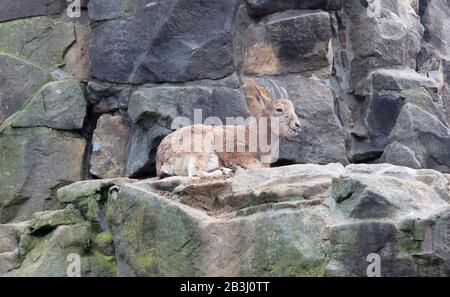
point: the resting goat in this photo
(177, 156)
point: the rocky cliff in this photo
(297, 220)
(87, 99)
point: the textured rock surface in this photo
(42, 40)
(59, 105)
(292, 225)
(425, 135)
(436, 16)
(301, 40)
(378, 49)
(322, 139)
(176, 40)
(9, 247)
(265, 7)
(289, 42)
(42, 120)
(299, 220)
(109, 145)
(27, 8)
(77, 61)
(50, 252)
(35, 163)
(107, 99)
(91, 97)
(18, 80)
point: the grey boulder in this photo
(12, 93)
(176, 40)
(35, 163)
(109, 144)
(59, 105)
(19, 9)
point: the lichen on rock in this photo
(85, 102)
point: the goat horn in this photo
(277, 89)
(286, 95)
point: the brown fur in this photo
(170, 161)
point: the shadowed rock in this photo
(176, 40)
(19, 9)
(264, 7)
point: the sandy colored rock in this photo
(109, 143)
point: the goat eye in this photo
(279, 110)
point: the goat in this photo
(215, 154)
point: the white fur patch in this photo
(212, 163)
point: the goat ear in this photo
(257, 100)
(254, 106)
(262, 97)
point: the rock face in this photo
(43, 109)
(390, 69)
(322, 139)
(35, 162)
(53, 240)
(265, 7)
(289, 42)
(28, 8)
(292, 221)
(12, 93)
(301, 40)
(299, 220)
(106, 99)
(42, 40)
(59, 105)
(109, 144)
(91, 97)
(176, 40)
(431, 11)
(428, 140)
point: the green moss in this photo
(128, 8)
(262, 199)
(35, 244)
(12, 172)
(149, 249)
(407, 242)
(216, 204)
(99, 264)
(89, 208)
(420, 97)
(277, 251)
(294, 198)
(316, 269)
(42, 40)
(55, 218)
(275, 262)
(160, 240)
(148, 263)
(104, 238)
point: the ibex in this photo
(171, 160)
